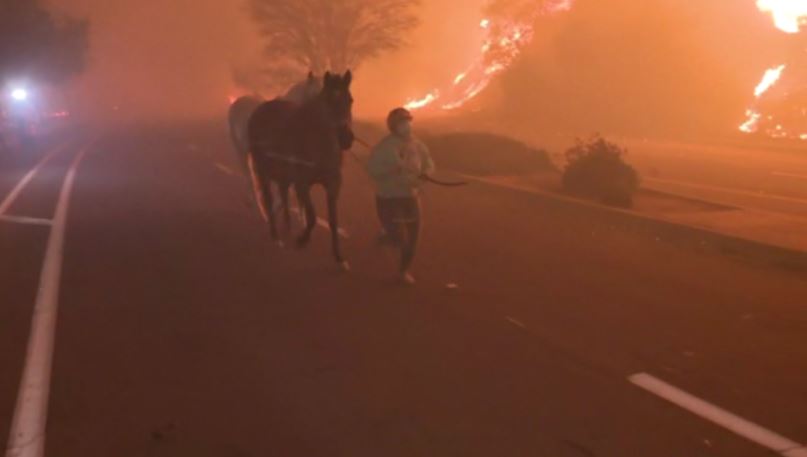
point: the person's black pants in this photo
(400, 218)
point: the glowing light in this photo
(788, 15)
(771, 77)
(506, 38)
(751, 125)
(420, 103)
(19, 95)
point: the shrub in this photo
(596, 169)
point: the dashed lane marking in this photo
(324, 224)
(736, 424)
(225, 169)
(516, 322)
(26, 220)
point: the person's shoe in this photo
(407, 279)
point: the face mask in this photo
(404, 129)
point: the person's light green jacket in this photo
(396, 165)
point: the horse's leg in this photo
(263, 193)
(304, 198)
(332, 191)
(284, 200)
(270, 207)
(257, 186)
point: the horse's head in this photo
(313, 86)
(337, 97)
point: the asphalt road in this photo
(184, 331)
(758, 177)
(746, 173)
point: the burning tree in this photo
(35, 44)
(326, 35)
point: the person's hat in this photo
(397, 116)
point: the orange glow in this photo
(504, 43)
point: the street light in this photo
(19, 94)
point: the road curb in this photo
(667, 230)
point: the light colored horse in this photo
(304, 91)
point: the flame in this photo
(788, 16)
(425, 101)
(504, 43)
(770, 79)
(751, 125)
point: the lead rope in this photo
(424, 176)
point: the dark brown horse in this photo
(302, 146)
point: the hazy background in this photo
(641, 66)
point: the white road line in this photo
(15, 192)
(27, 438)
(225, 169)
(719, 416)
(324, 224)
(26, 220)
(516, 322)
(789, 175)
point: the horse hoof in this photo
(344, 266)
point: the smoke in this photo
(174, 59)
(447, 41)
(637, 66)
(159, 59)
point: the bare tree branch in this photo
(321, 35)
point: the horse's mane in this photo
(304, 91)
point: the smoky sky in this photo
(173, 58)
(607, 65)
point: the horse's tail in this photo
(240, 113)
